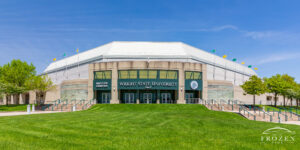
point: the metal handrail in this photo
(242, 108)
(192, 100)
(279, 113)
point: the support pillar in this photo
(204, 82)
(4, 99)
(114, 84)
(181, 86)
(12, 100)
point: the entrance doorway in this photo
(129, 98)
(192, 97)
(105, 98)
(166, 98)
(27, 98)
(147, 98)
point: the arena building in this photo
(147, 72)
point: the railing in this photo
(264, 113)
(90, 102)
(62, 105)
(168, 101)
(278, 113)
(50, 105)
(290, 112)
(193, 101)
(243, 109)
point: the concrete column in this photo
(90, 82)
(22, 98)
(181, 85)
(204, 80)
(114, 84)
(12, 100)
(4, 99)
(32, 97)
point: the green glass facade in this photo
(147, 86)
(102, 86)
(147, 79)
(193, 80)
(102, 80)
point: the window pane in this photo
(143, 74)
(188, 75)
(133, 74)
(107, 74)
(163, 74)
(99, 75)
(124, 75)
(172, 75)
(152, 74)
(197, 75)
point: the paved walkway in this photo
(17, 113)
(291, 122)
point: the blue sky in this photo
(264, 34)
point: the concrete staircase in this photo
(67, 106)
(256, 114)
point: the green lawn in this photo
(132, 126)
(13, 107)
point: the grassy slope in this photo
(137, 127)
(13, 107)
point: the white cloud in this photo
(279, 57)
(262, 34)
(220, 28)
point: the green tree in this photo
(297, 94)
(287, 89)
(40, 84)
(291, 94)
(276, 85)
(13, 78)
(254, 86)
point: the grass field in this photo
(131, 126)
(21, 107)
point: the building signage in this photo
(193, 84)
(148, 84)
(104, 84)
(100, 84)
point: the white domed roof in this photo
(168, 51)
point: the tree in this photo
(40, 84)
(13, 77)
(254, 86)
(275, 84)
(287, 87)
(297, 96)
(291, 94)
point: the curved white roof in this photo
(116, 51)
